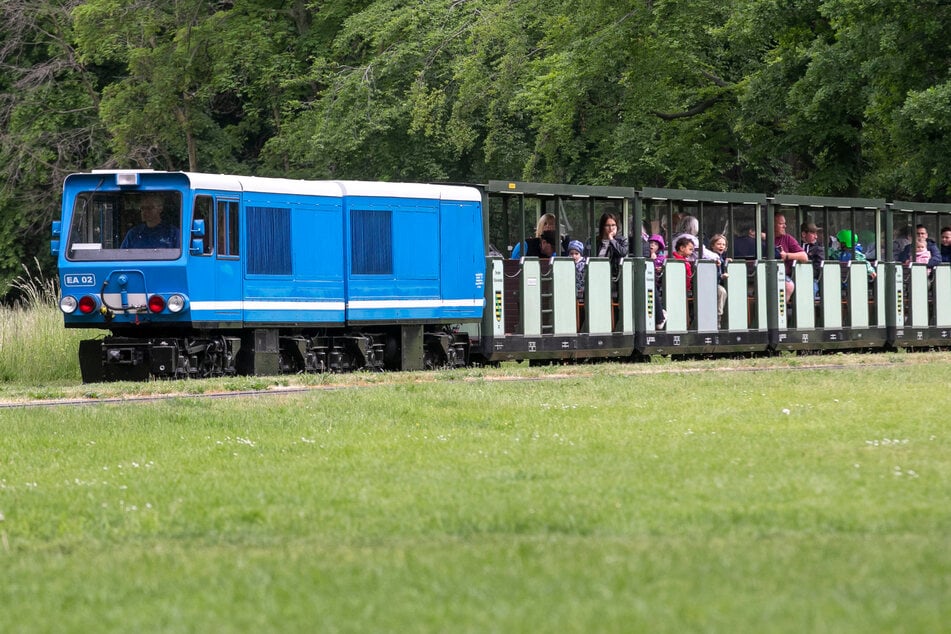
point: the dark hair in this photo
(604, 220)
(550, 237)
(943, 229)
(682, 240)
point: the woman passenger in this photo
(533, 245)
(609, 244)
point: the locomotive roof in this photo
(229, 182)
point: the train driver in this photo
(151, 233)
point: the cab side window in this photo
(228, 243)
(204, 210)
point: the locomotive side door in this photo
(215, 277)
(228, 278)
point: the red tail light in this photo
(156, 303)
(87, 304)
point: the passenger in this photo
(718, 246)
(834, 247)
(548, 245)
(788, 251)
(545, 223)
(658, 256)
(946, 244)
(809, 233)
(907, 253)
(690, 226)
(922, 255)
(609, 244)
(576, 252)
(902, 240)
(683, 250)
(851, 249)
(151, 233)
(744, 244)
(657, 253)
(867, 240)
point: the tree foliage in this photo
(830, 97)
(49, 124)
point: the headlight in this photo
(176, 303)
(68, 304)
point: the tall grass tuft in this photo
(35, 288)
(34, 345)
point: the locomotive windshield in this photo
(126, 226)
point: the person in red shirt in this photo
(788, 251)
(683, 250)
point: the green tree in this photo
(203, 82)
(383, 92)
(849, 95)
(907, 116)
(653, 89)
(159, 110)
(48, 125)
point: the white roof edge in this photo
(410, 190)
(264, 184)
(332, 188)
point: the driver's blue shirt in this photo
(161, 236)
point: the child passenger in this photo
(657, 255)
(922, 254)
(576, 251)
(718, 246)
(683, 251)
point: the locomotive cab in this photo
(121, 258)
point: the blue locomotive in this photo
(205, 275)
(197, 275)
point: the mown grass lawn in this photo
(725, 501)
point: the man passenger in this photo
(908, 253)
(788, 251)
(946, 244)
